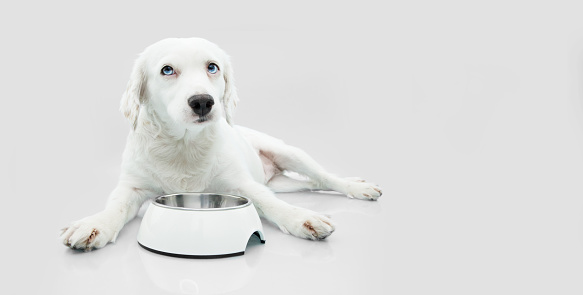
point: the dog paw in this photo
(89, 233)
(308, 225)
(360, 189)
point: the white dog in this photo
(180, 101)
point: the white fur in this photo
(169, 151)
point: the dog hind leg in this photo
(293, 159)
(285, 184)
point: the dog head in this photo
(186, 82)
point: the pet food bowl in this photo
(198, 225)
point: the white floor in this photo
(470, 116)
(351, 261)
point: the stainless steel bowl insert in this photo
(201, 201)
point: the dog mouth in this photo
(202, 119)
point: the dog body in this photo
(180, 102)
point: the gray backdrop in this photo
(468, 115)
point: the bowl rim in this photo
(248, 203)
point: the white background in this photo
(469, 116)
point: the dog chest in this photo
(181, 167)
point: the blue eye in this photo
(167, 70)
(213, 68)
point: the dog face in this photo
(186, 82)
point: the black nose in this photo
(201, 104)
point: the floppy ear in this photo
(230, 98)
(133, 96)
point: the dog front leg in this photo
(97, 230)
(290, 219)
